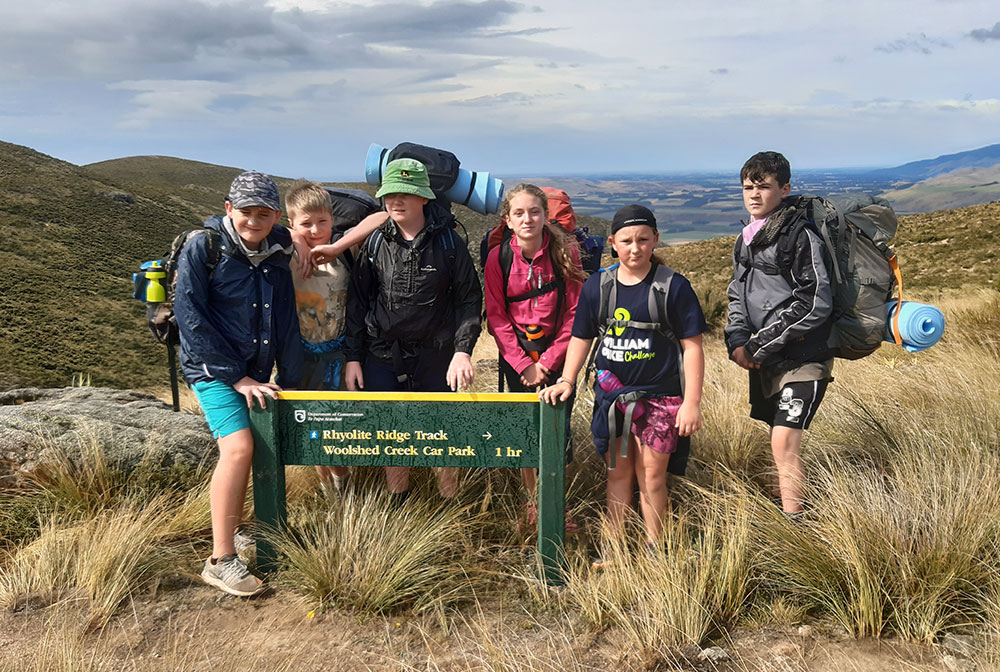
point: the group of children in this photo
(406, 316)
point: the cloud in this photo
(984, 34)
(720, 71)
(200, 39)
(914, 42)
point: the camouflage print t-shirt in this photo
(321, 301)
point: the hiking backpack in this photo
(856, 231)
(561, 215)
(350, 206)
(156, 283)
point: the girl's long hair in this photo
(560, 244)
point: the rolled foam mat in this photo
(920, 325)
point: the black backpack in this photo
(350, 206)
(156, 284)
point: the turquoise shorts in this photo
(225, 409)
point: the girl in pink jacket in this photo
(532, 281)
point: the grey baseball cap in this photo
(254, 188)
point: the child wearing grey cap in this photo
(235, 311)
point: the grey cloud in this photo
(918, 42)
(720, 71)
(197, 39)
(984, 34)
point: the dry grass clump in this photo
(102, 560)
(663, 599)
(364, 553)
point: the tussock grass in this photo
(364, 553)
(101, 560)
(674, 595)
(902, 536)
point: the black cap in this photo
(632, 215)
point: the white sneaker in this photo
(230, 574)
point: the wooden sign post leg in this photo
(268, 481)
(551, 491)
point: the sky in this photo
(301, 88)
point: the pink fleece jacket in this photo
(539, 310)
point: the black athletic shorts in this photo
(793, 406)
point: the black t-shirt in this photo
(640, 358)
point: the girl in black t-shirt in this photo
(644, 364)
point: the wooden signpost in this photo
(431, 429)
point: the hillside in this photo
(71, 236)
(956, 189)
(68, 244)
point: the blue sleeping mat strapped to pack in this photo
(920, 325)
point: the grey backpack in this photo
(856, 231)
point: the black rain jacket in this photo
(407, 296)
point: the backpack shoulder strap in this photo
(506, 259)
(657, 300)
(373, 243)
(604, 314)
(449, 243)
(213, 248)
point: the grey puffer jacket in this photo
(780, 313)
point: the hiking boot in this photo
(599, 563)
(230, 574)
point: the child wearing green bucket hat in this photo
(414, 303)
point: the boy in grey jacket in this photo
(780, 310)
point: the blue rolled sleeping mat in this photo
(920, 325)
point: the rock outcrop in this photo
(133, 428)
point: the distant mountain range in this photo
(928, 168)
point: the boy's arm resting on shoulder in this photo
(468, 297)
(498, 319)
(201, 341)
(811, 305)
(324, 254)
(689, 419)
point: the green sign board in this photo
(433, 429)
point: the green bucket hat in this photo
(405, 176)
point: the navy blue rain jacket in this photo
(239, 319)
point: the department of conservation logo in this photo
(300, 415)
